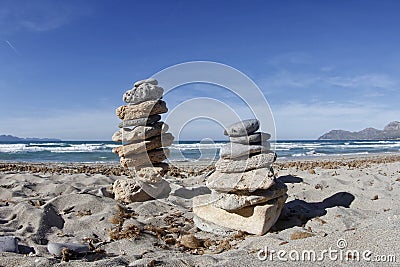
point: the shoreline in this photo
(194, 167)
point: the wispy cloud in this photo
(38, 16)
(12, 47)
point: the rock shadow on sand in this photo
(298, 212)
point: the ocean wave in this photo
(51, 147)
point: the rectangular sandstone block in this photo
(256, 219)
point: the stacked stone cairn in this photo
(144, 140)
(245, 196)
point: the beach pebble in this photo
(149, 80)
(263, 160)
(143, 92)
(150, 144)
(252, 139)
(232, 202)
(56, 248)
(8, 244)
(139, 133)
(235, 150)
(141, 110)
(247, 181)
(140, 121)
(242, 128)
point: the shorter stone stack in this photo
(144, 140)
(244, 194)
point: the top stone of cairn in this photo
(242, 128)
(142, 91)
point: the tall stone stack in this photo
(244, 195)
(144, 140)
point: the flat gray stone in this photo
(247, 181)
(56, 248)
(149, 80)
(8, 244)
(242, 128)
(235, 150)
(143, 92)
(251, 139)
(232, 201)
(163, 140)
(140, 122)
(264, 160)
(139, 133)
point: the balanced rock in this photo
(256, 219)
(242, 128)
(263, 160)
(57, 248)
(142, 110)
(150, 144)
(8, 244)
(140, 121)
(235, 150)
(145, 159)
(149, 80)
(252, 139)
(247, 181)
(139, 133)
(232, 202)
(143, 92)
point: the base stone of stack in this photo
(264, 160)
(210, 227)
(233, 202)
(247, 181)
(254, 219)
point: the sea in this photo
(101, 151)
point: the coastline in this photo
(334, 198)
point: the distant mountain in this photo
(10, 138)
(390, 132)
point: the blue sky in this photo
(321, 65)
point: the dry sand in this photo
(352, 200)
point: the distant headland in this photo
(390, 132)
(11, 138)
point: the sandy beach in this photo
(341, 204)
